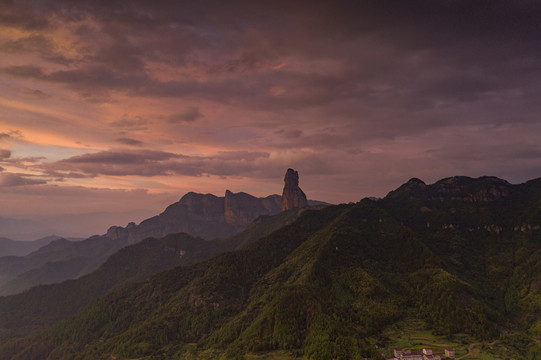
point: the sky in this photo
(121, 107)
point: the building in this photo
(450, 353)
(406, 354)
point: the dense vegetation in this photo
(463, 255)
(46, 305)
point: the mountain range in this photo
(461, 256)
(201, 215)
(9, 247)
(130, 264)
(23, 229)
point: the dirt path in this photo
(470, 348)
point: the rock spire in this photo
(292, 196)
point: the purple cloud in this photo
(152, 163)
(9, 179)
(188, 115)
(128, 141)
(4, 154)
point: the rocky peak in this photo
(483, 189)
(195, 199)
(416, 182)
(413, 188)
(240, 209)
(456, 188)
(292, 196)
(236, 206)
(116, 232)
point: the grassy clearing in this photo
(413, 334)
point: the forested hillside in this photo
(462, 255)
(46, 305)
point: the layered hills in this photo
(26, 312)
(462, 255)
(9, 247)
(201, 215)
(23, 230)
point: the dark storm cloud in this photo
(9, 179)
(22, 15)
(96, 77)
(84, 79)
(325, 75)
(103, 78)
(188, 115)
(4, 154)
(35, 93)
(425, 53)
(327, 137)
(122, 163)
(120, 55)
(128, 141)
(471, 151)
(6, 158)
(25, 72)
(43, 46)
(412, 24)
(289, 133)
(389, 58)
(135, 124)
(152, 163)
(120, 157)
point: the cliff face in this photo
(203, 215)
(241, 209)
(292, 196)
(200, 215)
(196, 214)
(209, 216)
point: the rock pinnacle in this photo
(292, 196)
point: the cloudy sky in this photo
(124, 106)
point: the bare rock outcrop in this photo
(292, 196)
(241, 209)
(203, 215)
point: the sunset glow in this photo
(138, 103)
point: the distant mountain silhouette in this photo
(23, 230)
(201, 215)
(130, 264)
(10, 247)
